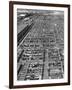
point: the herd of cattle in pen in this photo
(40, 45)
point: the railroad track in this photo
(23, 33)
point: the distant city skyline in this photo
(50, 12)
